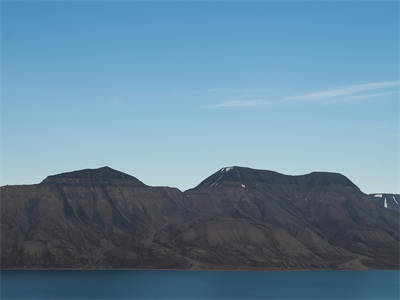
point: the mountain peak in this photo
(99, 175)
(233, 174)
(242, 176)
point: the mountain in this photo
(318, 220)
(100, 176)
(389, 201)
(236, 218)
(88, 218)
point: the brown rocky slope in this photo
(236, 218)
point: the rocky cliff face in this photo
(236, 218)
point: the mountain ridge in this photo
(107, 172)
(95, 175)
(246, 175)
(249, 218)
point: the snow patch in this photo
(385, 204)
(243, 185)
(394, 199)
(378, 195)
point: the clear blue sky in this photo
(171, 92)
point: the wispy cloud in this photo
(346, 91)
(363, 96)
(342, 94)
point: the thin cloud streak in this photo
(345, 91)
(343, 94)
(363, 96)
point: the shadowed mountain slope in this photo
(236, 218)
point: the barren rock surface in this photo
(238, 218)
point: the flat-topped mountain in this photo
(104, 175)
(253, 177)
(236, 218)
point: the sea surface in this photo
(140, 284)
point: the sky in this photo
(170, 92)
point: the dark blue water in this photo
(199, 285)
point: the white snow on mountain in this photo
(389, 201)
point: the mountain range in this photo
(238, 218)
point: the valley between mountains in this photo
(238, 218)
